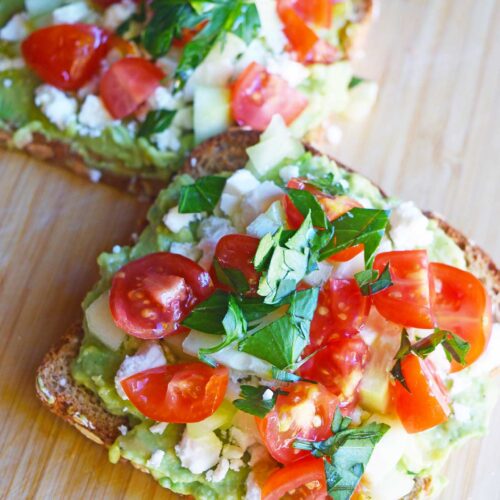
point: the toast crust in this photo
(224, 152)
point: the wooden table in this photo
(433, 137)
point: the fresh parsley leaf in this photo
(287, 376)
(235, 328)
(207, 316)
(454, 347)
(201, 196)
(253, 401)
(282, 341)
(306, 202)
(355, 80)
(359, 225)
(231, 277)
(347, 452)
(327, 184)
(156, 121)
(370, 282)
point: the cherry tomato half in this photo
(339, 367)
(304, 42)
(152, 295)
(236, 251)
(66, 55)
(182, 393)
(461, 305)
(305, 478)
(426, 404)
(407, 301)
(341, 311)
(127, 84)
(318, 12)
(333, 206)
(258, 95)
(305, 412)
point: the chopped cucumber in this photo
(211, 111)
(222, 417)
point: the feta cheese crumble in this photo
(71, 13)
(175, 221)
(15, 30)
(94, 116)
(118, 13)
(199, 454)
(409, 227)
(59, 108)
(158, 428)
(155, 460)
(7, 64)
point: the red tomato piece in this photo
(407, 301)
(127, 84)
(236, 251)
(188, 34)
(306, 44)
(305, 412)
(333, 206)
(258, 95)
(461, 305)
(152, 295)
(339, 367)
(318, 12)
(182, 393)
(426, 405)
(341, 311)
(306, 478)
(66, 55)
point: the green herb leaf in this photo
(235, 328)
(207, 316)
(356, 80)
(155, 122)
(328, 185)
(347, 452)
(306, 202)
(201, 196)
(286, 376)
(233, 278)
(247, 23)
(252, 400)
(282, 341)
(359, 225)
(370, 282)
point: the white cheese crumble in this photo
(291, 71)
(239, 184)
(176, 221)
(409, 227)
(267, 395)
(162, 98)
(59, 108)
(16, 29)
(149, 355)
(71, 13)
(289, 172)
(94, 116)
(186, 249)
(158, 428)
(118, 13)
(219, 473)
(155, 460)
(123, 430)
(7, 64)
(258, 200)
(7, 83)
(211, 230)
(168, 139)
(199, 454)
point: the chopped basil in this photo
(355, 81)
(155, 122)
(287, 376)
(359, 225)
(254, 402)
(370, 282)
(305, 202)
(208, 315)
(347, 453)
(454, 347)
(232, 278)
(201, 196)
(328, 184)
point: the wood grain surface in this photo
(433, 138)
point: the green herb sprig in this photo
(370, 281)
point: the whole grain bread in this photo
(81, 408)
(143, 182)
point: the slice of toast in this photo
(81, 408)
(143, 182)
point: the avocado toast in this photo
(99, 414)
(156, 79)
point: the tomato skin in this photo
(333, 206)
(236, 251)
(127, 84)
(66, 55)
(304, 401)
(339, 367)
(310, 471)
(461, 305)
(188, 34)
(258, 95)
(407, 302)
(318, 12)
(181, 393)
(150, 296)
(426, 405)
(342, 311)
(304, 42)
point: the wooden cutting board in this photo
(433, 138)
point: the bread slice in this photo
(143, 182)
(81, 408)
